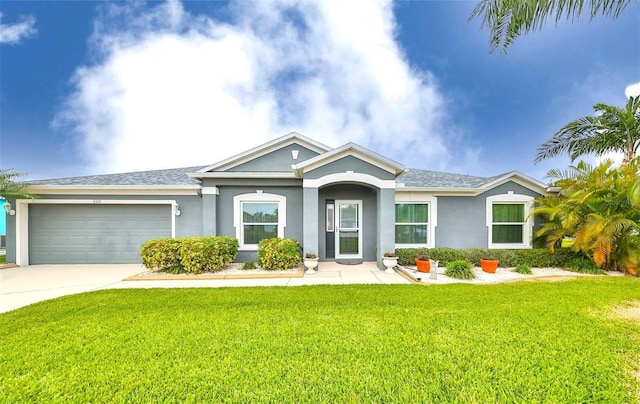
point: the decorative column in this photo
(209, 208)
(386, 241)
(310, 220)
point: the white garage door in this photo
(94, 234)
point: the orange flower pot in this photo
(423, 266)
(489, 266)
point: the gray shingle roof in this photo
(413, 178)
(173, 176)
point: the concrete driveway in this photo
(21, 286)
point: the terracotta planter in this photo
(423, 266)
(489, 266)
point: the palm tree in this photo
(9, 188)
(507, 19)
(612, 129)
(599, 207)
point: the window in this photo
(412, 223)
(258, 216)
(259, 221)
(416, 220)
(508, 221)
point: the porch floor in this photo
(334, 273)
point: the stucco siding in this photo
(349, 164)
(278, 160)
(225, 212)
(462, 220)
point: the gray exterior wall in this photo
(349, 164)
(278, 160)
(462, 220)
(225, 226)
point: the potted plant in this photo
(423, 263)
(310, 261)
(390, 260)
(489, 263)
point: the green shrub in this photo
(208, 254)
(523, 269)
(278, 254)
(584, 266)
(193, 255)
(460, 269)
(535, 257)
(162, 254)
(249, 265)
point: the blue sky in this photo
(101, 87)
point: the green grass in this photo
(518, 342)
(3, 259)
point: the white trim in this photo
(337, 228)
(210, 191)
(244, 174)
(349, 177)
(432, 202)
(113, 190)
(257, 197)
(527, 226)
(349, 149)
(22, 217)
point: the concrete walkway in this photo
(21, 286)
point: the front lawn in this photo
(517, 342)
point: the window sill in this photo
(509, 246)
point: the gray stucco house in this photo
(345, 203)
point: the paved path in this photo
(21, 286)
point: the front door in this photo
(348, 229)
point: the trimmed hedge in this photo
(535, 257)
(192, 254)
(278, 254)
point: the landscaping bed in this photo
(501, 275)
(231, 271)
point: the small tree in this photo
(507, 19)
(599, 207)
(9, 188)
(611, 129)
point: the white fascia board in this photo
(243, 174)
(267, 148)
(442, 191)
(519, 179)
(114, 190)
(350, 149)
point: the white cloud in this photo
(174, 89)
(632, 90)
(13, 33)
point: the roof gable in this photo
(349, 150)
(264, 149)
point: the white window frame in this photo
(432, 204)
(527, 226)
(258, 196)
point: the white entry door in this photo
(349, 229)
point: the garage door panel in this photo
(94, 233)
